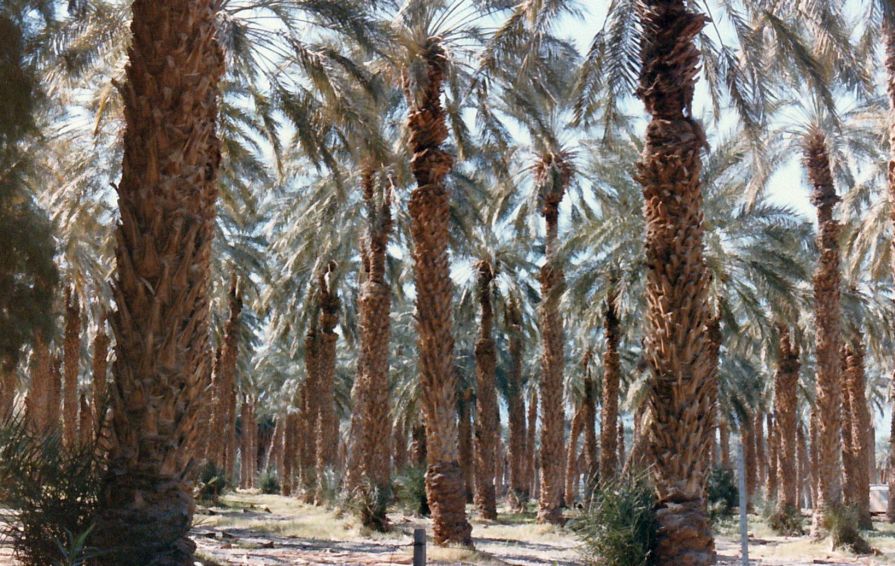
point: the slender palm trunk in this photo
(591, 461)
(890, 472)
(290, 449)
(761, 461)
(531, 440)
(245, 444)
(552, 176)
(37, 402)
(306, 434)
(71, 356)
(214, 444)
(813, 461)
(570, 490)
(399, 446)
(860, 423)
(166, 198)
(100, 389)
(467, 452)
(827, 319)
(609, 462)
(849, 464)
(374, 306)
(724, 443)
(772, 483)
(682, 392)
(430, 213)
(803, 489)
(786, 381)
(8, 382)
(486, 420)
(747, 438)
(85, 421)
(516, 410)
(327, 423)
(418, 445)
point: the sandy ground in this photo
(265, 530)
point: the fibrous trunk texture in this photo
(516, 410)
(827, 315)
(772, 484)
(860, 424)
(71, 356)
(374, 306)
(570, 490)
(682, 392)
(430, 213)
(748, 441)
(327, 422)
(724, 443)
(308, 400)
(889, 33)
(290, 449)
(85, 422)
(531, 439)
(591, 462)
(8, 382)
(166, 199)
(813, 459)
(609, 462)
(54, 397)
(761, 461)
(803, 490)
(786, 381)
(486, 416)
(552, 176)
(37, 402)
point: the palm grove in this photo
(334, 241)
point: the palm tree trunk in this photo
(786, 381)
(486, 421)
(37, 402)
(418, 447)
(85, 422)
(849, 465)
(100, 363)
(724, 443)
(531, 440)
(570, 490)
(72, 356)
(771, 489)
(609, 462)
(890, 472)
(747, 438)
(761, 461)
(215, 444)
(399, 445)
(430, 213)
(552, 356)
(889, 33)
(328, 424)
(516, 410)
(682, 395)
(827, 319)
(245, 444)
(860, 424)
(8, 381)
(166, 198)
(229, 359)
(467, 454)
(813, 461)
(290, 449)
(591, 461)
(804, 470)
(374, 307)
(309, 413)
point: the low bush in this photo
(269, 483)
(49, 496)
(211, 484)
(842, 522)
(411, 491)
(787, 521)
(722, 492)
(618, 526)
(370, 504)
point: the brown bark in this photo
(290, 452)
(8, 383)
(804, 470)
(54, 397)
(591, 461)
(570, 489)
(724, 443)
(85, 422)
(849, 464)
(37, 401)
(553, 173)
(306, 434)
(215, 444)
(430, 213)
(747, 437)
(71, 357)
(487, 416)
(418, 447)
(827, 322)
(813, 461)
(677, 350)
(786, 381)
(399, 445)
(889, 38)
(773, 482)
(761, 460)
(609, 461)
(621, 440)
(531, 440)
(860, 421)
(467, 455)
(516, 411)
(327, 422)
(166, 199)
(245, 445)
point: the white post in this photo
(744, 498)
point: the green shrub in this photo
(723, 494)
(370, 504)
(49, 496)
(618, 526)
(211, 484)
(842, 522)
(269, 483)
(787, 521)
(411, 491)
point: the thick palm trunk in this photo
(591, 461)
(245, 444)
(215, 444)
(786, 381)
(223, 434)
(306, 434)
(609, 462)
(85, 422)
(166, 198)
(71, 356)
(724, 443)
(761, 461)
(552, 176)
(374, 306)
(813, 461)
(37, 401)
(859, 424)
(430, 213)
(516, 410)
(100, 389)
(570, 490)
(849, 464)
(827, 319)
(327, 423)
(486, 420)
(682, 393)
(467, 453)
(531, 440)
(290, 449)
(54, 397)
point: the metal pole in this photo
(419, 547)
(744, 498)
